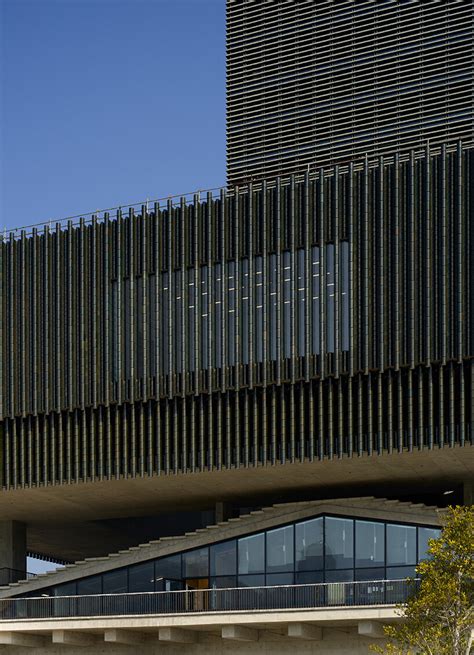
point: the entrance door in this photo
(199, 599)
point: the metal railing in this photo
(242, 599)
(7, 576)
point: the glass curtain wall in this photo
(226, 300)
(321, 549)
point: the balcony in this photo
(254, 599)
(352, 613)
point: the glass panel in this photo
(67, 589)
(287, 309)
(424, 535)
(315, 299)
(309, 577)
(191, 320)
(259, 291)
(217, 332)
(224, 582)
(178, 317)
(231, 306)
(168, 567)
(174, 585)
(196, 563)
(345, 311)
(164, 320)
(273, 314)
(301, 291)
(309, 537)
(370, 574)
(90, 586)
(204, 291)
(401, 572)
(280, 550)
(115, 582)
(141, 577)
(340, 576)
(401, 544)
(280, 579)
(223, 558)
(370, 544)
(339, 543)
(330, 297)
(244, 311)
(251, 580)
(251, 554)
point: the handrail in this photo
(237, 599)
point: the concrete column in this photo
(468, 493)
(223, 511)
(13, 547)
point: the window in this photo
(280, 550)
(141, 577)
(424, 535)
(401, 544)
(251, 554)
(370, 544)
(309, 539)
(339, 576)
(274, 579)
(339, 543)
(223, 559)
(115, 582)
(89, 586)
(196, 563)
(169, 567)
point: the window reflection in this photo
(424, 535)
(251, 554)
(309, 539)
(223, 559)
(370, 544)
(280, 550)
(401, 544)
(339, 543)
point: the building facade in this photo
(316, 83)
(313, 318)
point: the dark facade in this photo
(313, 83)
(309, 318)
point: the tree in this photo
(439, 615)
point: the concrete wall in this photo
(335, 642)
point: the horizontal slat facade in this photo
(313, 83)
(178, 337)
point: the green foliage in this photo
(439, 616)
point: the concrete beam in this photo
(371, 629)
(304, 631)
(177, 635)
(73, 638)
(22, 639)
(239, 633)
(129, 637)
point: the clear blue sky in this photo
(108, 102)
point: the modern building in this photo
(239, 414)
(316, 82)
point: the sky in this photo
(108, 102)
